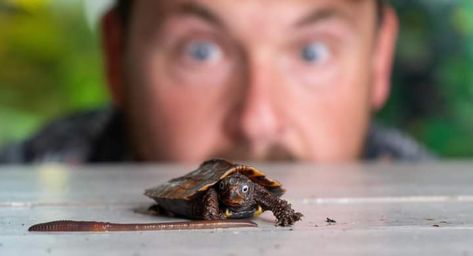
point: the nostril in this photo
(259, 121)
(234, 195)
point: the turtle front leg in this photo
(211, 210)
(281, 209)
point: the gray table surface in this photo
(380, 209)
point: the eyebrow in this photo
(199, 11)
(319, 15)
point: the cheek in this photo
(182, 113)
(333, 116)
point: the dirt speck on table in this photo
(330, 221)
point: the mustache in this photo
(272, 152)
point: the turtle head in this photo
(236, 190)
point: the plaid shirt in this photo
(100, 136)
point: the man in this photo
(247, 80)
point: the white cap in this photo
(94, 9)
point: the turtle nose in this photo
(233, 196)
(233, 199)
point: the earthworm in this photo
(94, 226)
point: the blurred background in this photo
(50, 65)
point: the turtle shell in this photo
(208, 174)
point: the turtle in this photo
(219, 189)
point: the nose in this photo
(234, 195)
(257, 118)
(233, 198)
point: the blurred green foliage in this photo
(432, 94)
(51, 65)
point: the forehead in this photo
(257, 12)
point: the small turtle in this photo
(219, 189)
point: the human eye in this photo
(312, 60)
(203, 51)
(314, 53)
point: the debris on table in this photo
(330, 221)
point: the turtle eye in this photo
(221, 185)
(245, 189)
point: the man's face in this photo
(250, 80)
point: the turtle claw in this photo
(288, 218)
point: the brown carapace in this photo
(220, 190)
